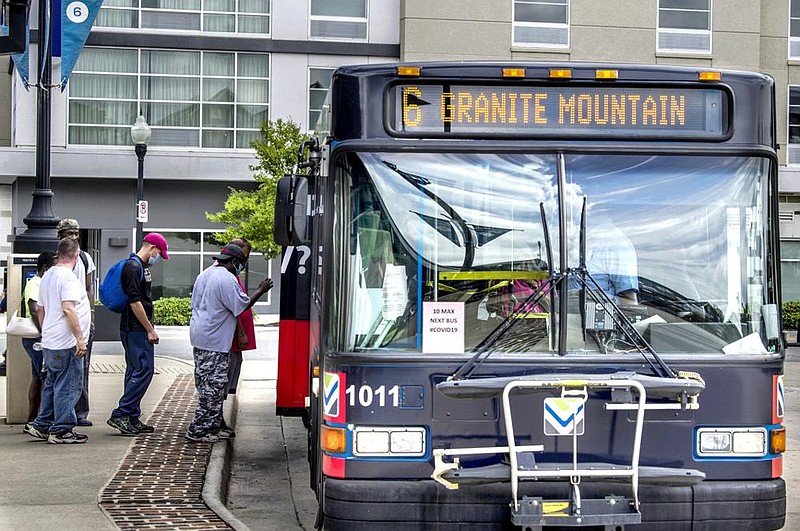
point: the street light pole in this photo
(140, 133)
(41, 220)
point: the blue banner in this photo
(77, 18)
(55, 27)
(22, 61)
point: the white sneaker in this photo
(31, 430)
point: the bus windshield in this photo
(676, 245)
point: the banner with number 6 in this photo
(77, 18)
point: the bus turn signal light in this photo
(333, 440)
(408, 71)
(777, 440)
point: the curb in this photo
(218, 473)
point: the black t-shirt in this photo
(136, 281)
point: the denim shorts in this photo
(37, 358)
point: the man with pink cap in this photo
(138, 334)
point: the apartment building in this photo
(756, 35)
(205, 74)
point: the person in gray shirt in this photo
(217, 300)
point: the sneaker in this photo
(226, 433)
(31, 430)
(84, 422)
(123, 424)
(142, 427)
(206, 437)
(67, 437)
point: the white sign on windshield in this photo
(395, 297)
(443, 327)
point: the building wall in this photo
(96, 184)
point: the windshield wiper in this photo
(547, 287)
(599, 296)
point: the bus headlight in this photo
(750, 442)
(390, 441)
(715, 442)
(732, 442)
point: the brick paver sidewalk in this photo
(160, 482)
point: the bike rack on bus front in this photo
(534, 512)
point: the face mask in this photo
(153, 260)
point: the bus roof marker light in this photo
(560, 73)
(606, 74)
(709, 76)
(408, 71)
(513, 72)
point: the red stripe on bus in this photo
(333, 466)
(777, 467)
(293, 364)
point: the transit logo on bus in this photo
(564, 415)
(331, 391)
(476, 111)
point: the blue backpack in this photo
(111, 293)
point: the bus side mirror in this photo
(291, 214)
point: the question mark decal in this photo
(305, 252)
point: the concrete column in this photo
(18, 364)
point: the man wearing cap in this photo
(84, 271)
(138, 334)
(217, 300)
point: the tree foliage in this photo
(250, 214)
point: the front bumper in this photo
(355, 505)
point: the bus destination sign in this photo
(470, 111)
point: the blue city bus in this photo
(540, 296)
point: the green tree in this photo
(250, 214)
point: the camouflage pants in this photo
(210, 377)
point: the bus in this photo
(538, 296)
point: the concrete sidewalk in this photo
(52, 486)
(118, 482)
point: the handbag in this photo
(22, 327)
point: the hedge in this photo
(172, 311)
(791, 314)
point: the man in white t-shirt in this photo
(65, 315)
(84, 271)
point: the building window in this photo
(793, 155)
(319, 81)
(541, 23)
(225, 16)
(189, 98)
(790, 270)
(190, 252)
(338, 19)
(684, 26)
(794, 29)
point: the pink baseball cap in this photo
(160, 242)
